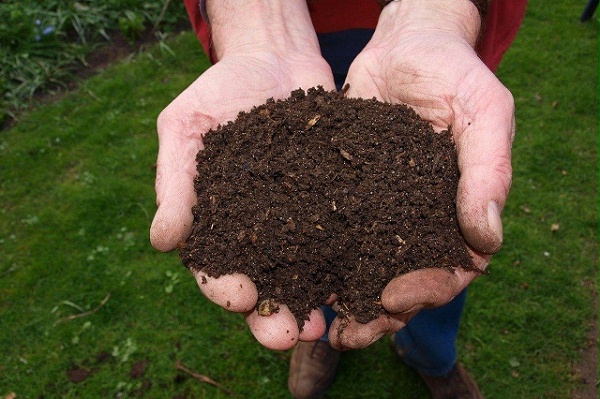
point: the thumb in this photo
(484, 158)
(179, 143)
(481, 227)
(173, 220)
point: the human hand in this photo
(422, 55)
(260, 56)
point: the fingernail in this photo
(495, 224)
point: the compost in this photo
(319, 194)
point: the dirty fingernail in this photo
(495, 224)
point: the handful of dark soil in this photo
(320, 194)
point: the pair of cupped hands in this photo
(426, 61)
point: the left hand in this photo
(262, 54)
(422, 55)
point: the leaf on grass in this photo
(73, 305)
(78, 374)
(84, 314)
(138, 369)
(525, 208)
(201, 377)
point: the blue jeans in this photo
(428, 342)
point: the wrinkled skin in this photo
(412, 69)
(466, 96)
(246, 81)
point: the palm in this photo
(447, 84)
(231, 86)
(240, 82)
(443, 80)
(217, 96)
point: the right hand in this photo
(422, 54)
(246, 75)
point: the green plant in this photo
(41, 42)
(131, 25)
(16, 26)
(85, 21)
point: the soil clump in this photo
(320, 194)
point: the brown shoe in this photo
(457, 384)
(312, 369)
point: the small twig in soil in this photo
(84, 314)
(201, 377)
(345, 89)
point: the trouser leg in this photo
(428, 342)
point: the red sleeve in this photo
(500, 29)
(336, 15)
(200, 27)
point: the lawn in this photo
(89, 310)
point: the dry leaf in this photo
(525, 208)
(78, 374)
(201, 377)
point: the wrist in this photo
(458, 18)
(482, 6)
(254, 26)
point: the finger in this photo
(347, 333)
(314, 327)
(331, 300)
(180, 135)
(234, 292)
(173, 220)
(424, 288)
(484, 158)
(279, 331)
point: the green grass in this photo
(76, 202)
